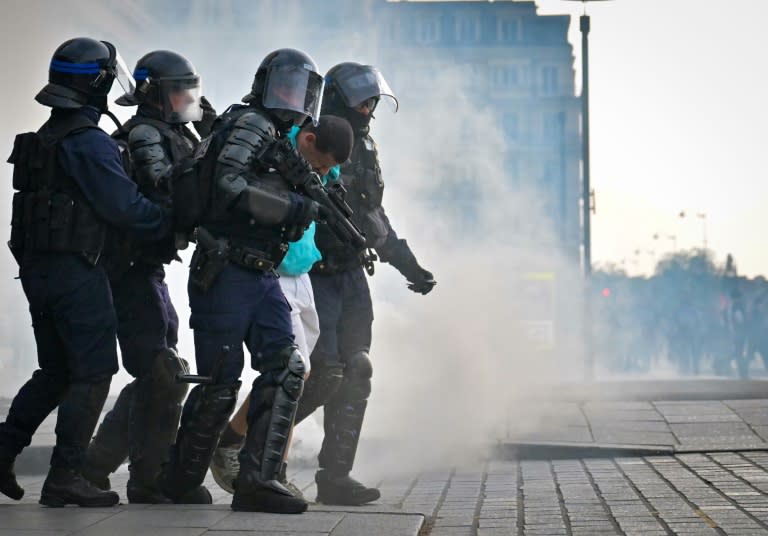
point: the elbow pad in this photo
(262, 203)
(150, 161)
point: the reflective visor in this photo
(294, 88)
(357, 86)
(123, 75)
(180, 99)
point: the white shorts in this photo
(306, 326)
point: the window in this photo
(427, 31)
(549, 81)
(553, 126)
(467, 30)
(511, 126)
(504, 76)
(509, 30)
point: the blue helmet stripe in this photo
(74, 68)
(140, 74)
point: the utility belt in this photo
(49, 221)
(213, 254)
(331, 264)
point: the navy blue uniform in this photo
(69, 298)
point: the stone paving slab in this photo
(692, 494)
(679, 425)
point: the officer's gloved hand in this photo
(306, 212)
(421, 281)
(205, 124)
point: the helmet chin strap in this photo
(114, 119)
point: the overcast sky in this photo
(678, 108)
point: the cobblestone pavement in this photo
(686, 494)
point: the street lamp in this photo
(586, 193)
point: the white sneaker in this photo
(225, 465)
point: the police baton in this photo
(215, 371)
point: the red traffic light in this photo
(606, 292)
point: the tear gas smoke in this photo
(447, 366)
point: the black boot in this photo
(343, 422)
(66, 486)
(273, 407)
(343, 490)
(109, 448)
(8, 484)
(154, 419)
(253, 494)
(206, 413)
(78, 414)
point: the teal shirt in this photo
(303, 253)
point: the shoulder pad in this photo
(150, 162)
(247, 141)
(144, 134)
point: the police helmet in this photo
(169, 82)
(351, 85)
(81, 73)
(288, 85)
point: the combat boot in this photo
(343, 490)
(141, 493)
(66, 486)
(255, 495)
(109, 447)
(8, 484)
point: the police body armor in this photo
(152, 148)
(361, 176)
(246, 200)
(50, 212)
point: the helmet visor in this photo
(123, 75)
(294, 88)
(180, 99)
(358, 86)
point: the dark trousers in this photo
(343, 303)
(147, 324)
(146, 319)
(242, 306)
(74, 324)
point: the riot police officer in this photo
(341, 368)
(249, 214)
(145, 417)
(71, 186)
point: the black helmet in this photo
(82, 72)
(289, 86)
(169, 82)
(349, 85)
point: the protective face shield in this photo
(180, 99)
(295, 90)
(114, 69)
(364, 85)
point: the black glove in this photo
(305, 213)
(205, 124)
(421, 281)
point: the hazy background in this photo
(677, 101)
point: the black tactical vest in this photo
(232, 224)
(361, 176)
(50, 213)
(122, 250)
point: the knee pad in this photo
(323, 383)
(287, 369)
(356, 384)
(162, 376)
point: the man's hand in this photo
(205, 124)
(423, 282)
